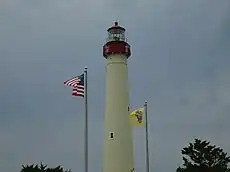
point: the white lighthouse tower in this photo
(118, 147)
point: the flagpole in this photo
(147, 137)
(86, 121)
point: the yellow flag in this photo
(137, 117)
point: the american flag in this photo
(77, 83)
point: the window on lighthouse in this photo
(111, 135)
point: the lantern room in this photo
(116, 33)
(116, 42)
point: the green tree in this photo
(30, 168)
(42, 168)
(200, 156)
(57, 169)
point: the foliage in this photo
(200, 156)
(42, 168)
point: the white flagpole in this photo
(86, 120)
(147, 137)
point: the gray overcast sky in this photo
(180, 63)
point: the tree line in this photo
(198, 156)
(42, 168)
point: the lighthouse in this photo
(118, 142)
